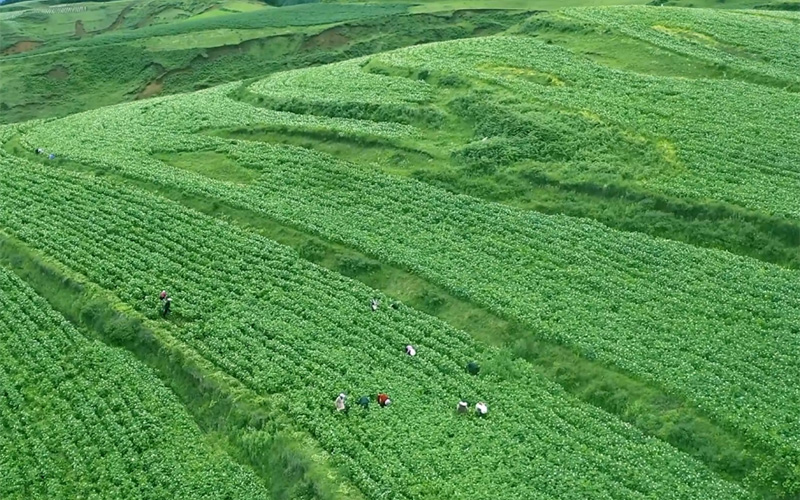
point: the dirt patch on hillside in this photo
(152, 89)
(224, 50)
(58, 73)
(119, 20)
(22, 46)
(147, 21)
(328, 39)
(209, 9)
(80, 31)
(272, 43)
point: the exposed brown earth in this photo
(22, 46)
(58, 73)
(329, 38)
(153, 88)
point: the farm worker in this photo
(52, 155)
(383, 399)
(374, 304)
(395, 305)
(39, 151)
(481, 409)
(410, 350)
(364, 401)
(473, 368)
(167, 305)
(162, 295)
(340, 402)
(462, 407)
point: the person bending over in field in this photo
(462, 407)
(410, 350)
(167, 306)
(375, 304)
(341, 402)
(481, 409)
(383, 399)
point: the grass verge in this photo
(234, 420)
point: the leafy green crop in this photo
(715, 329)
(82, 420)
(663, 320)
(760, 42)
(304, 334)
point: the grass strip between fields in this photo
(649, 408)
(233, 418)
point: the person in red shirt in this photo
(383, 399)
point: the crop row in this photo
(315, 84)
(733, 142)
(81, 420)
(703, 324)
(285, 327)
(742, 40)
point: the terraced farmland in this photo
(256, 315)
(82, 420)
(615, 244)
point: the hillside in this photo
(122, 50)
(72, 407)
(596, 204)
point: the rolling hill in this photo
(596, 204)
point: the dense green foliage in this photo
(43, 83)
(253, 308)
(415, 226)
(748, 41)
(667, 325)
(81, 420)
(447, 169)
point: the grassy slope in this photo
(146, 55)
(233, 421)
(443, 5)
(671, 421)
(708, 228)
(172, 46)
(699, 222)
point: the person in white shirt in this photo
(340, 402)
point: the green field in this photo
(594, 201)
(81, 419)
